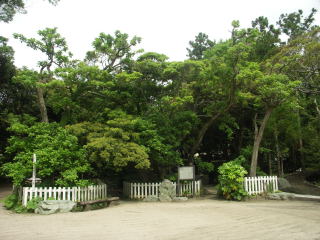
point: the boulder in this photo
(280, 196)
(283, 184)
(167, 191)
(54, 206)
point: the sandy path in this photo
(197, 219)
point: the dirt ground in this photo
(203, 218)
(195, 219)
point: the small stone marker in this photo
(167, 191)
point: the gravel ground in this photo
(194, 219)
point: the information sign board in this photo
(186, 173)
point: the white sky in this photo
(166, 26)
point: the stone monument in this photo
(167, 191)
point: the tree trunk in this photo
(317, 107)
(302, 159)
(258, 134)
(203, 131)
(42, 105)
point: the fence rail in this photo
(75, 194)
(256, 185)
(143, 190)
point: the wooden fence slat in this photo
(142, 190)
(257, 185)
(74, 194)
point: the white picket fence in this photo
(256, 185)
(143, 190)
(75, 194)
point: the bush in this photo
(231, 177)
(33, 204)
(59, 157)
(12, 202)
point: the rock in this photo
(54, 206)
(280, 196)
(180, 199)
(167, 191)
(151, 199)
(283, 184)
(273, 197)
(165, 198)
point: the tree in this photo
(113, 53)
(7, 71)
(56, 51)
(114, 144)
(293, 24)
(266, 38)
(60, 160)
(299, 60)
(218, 85)
(199, 46)
(9, 8)
(267, 91)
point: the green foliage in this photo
(59, 158)
(113, 52)
(11, 201)
(294, 24)
(132, 113)
(9, 8)
(202, 166)
(115, 144)
(33, 204)
(199, 46)
(52, 44)
(231, 177)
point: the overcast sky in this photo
(166, 26)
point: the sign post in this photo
(187, 173)
(34, 178)
(33, 181)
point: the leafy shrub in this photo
(203, 167)
(59, 157)
(12, 202)
(33, 204)
(231, 176)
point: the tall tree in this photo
(113, 53)
(57, 55)
(199, 46)
(268, 91)
(294, 25)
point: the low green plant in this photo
(231, 177)
(12, 202)
(20, 209)
(33, 204)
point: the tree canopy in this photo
(124, 114)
